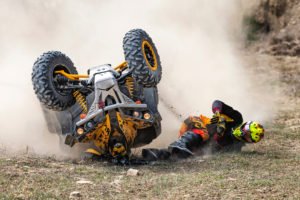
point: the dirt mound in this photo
(277, 23)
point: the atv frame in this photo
(113, 108)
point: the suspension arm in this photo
(76, 77)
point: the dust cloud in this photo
(198, 42)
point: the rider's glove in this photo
(215, 118)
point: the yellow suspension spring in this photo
(80, 100)
(130, 85)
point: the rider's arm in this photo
(222, 108)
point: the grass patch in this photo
(253, 28)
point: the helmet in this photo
(249, 132)
(256, 130)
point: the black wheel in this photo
(46, 82)
(142, 57)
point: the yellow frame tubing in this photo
(76, 77)
(73, 77)
(121, 66)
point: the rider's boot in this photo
(155, 154)
(184, 146)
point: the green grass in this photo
(253, 28)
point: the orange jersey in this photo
(197, 125)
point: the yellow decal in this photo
(128, 129)
(237, 133)
(101, 135)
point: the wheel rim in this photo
(56, 83)
(149, 55)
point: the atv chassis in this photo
(113, 108)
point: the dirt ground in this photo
(266, 170)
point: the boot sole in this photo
(185, 150)
(149, 155)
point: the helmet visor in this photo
(246, 131)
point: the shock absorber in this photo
(130, 85)
(80, 99)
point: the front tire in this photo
(45, 83)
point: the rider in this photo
(224, 129)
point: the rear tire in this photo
(45, 84)
(142, 57)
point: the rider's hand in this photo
(214, 120)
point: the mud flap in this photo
(70, 140)
(151, 99)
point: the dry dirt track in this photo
(269, 170)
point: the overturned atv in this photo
(113, 108)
